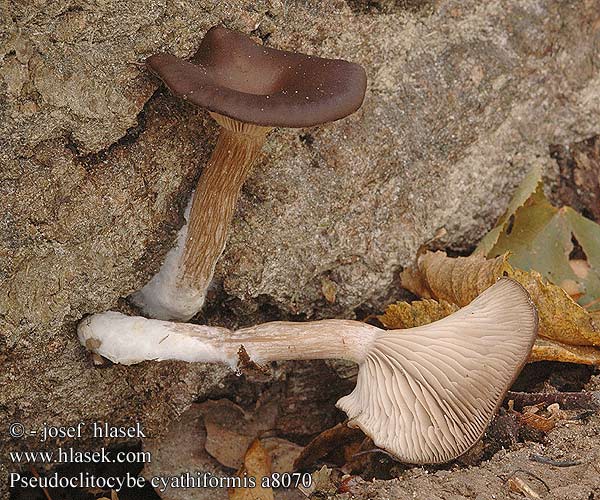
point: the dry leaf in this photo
(552, 350)
(230, 429)
(538, 422)
(417, 313)
(459, 280)
(540, 237)
(399, 316)
(182, 449)
(283, 453)
(321, 482)
(257, 464)
(332, 439)
(455, 280)
(561, 318)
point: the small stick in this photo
(37, 476)
(584, 400)
(556, 463)
(530, 474)
(375, 450)
(592, 303)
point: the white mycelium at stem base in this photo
(177, 291)
(424, 394)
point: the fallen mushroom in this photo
(248, 89)
(424, 394)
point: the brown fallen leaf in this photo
(552, 350)
(230, 430)
(334, 439)
(321, 483)
(182, 449)
(459, 280)
(455, 280)
(283, 453)
(257, 465)
(538, 422)
(417, 313)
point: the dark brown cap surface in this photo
(233, 76)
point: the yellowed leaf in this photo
(455, 280)
(329, 290)
(283, 453)
(422, 312)
(561, 318)
(230, 429)
(551, 350)
(527, 187)
(257, 464)
(459, 280)
(417, 313)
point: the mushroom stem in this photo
(177, 291)
(132, 339)
(424, 394)
(215, 198)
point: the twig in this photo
(556, 463)
(592, 303)
(375, 450)
(37, 476)
(583, 400)
(527, 473)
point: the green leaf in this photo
(539, 236)
(529, 185)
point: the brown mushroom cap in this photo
(233, 76)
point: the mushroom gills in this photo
(427, 394)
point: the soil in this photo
(508, 473)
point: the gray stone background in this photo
(97, 161)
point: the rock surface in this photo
(97, 161)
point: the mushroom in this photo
(248, 89)
(424, 394)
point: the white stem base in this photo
(164, 297)
(132, 339)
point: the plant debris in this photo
(230, 429)
(341, 439)
(566, 331)
(257, 465)
(538, 236)
(583, 400)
